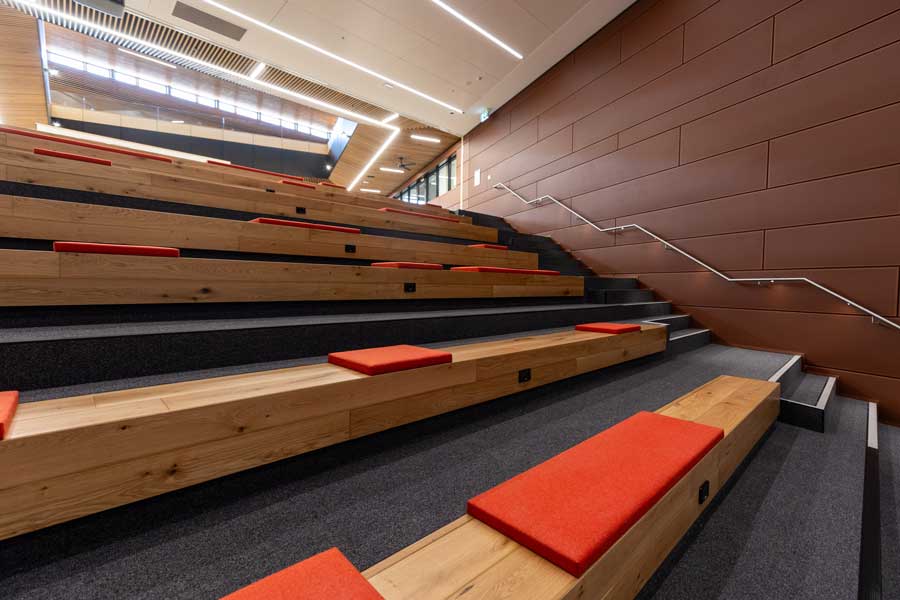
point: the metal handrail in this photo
(876, 318)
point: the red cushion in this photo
(505, 270)
(325, 576)
(69, 156)
(62, 140)
(375, 361)
(409, 265)
(297, 183)
(89, 248)
(608, 327)
(251, 169)
(415, 214)
(9, 401)
(334, 185)
(286, 223)
(491, 246)
(575, 506)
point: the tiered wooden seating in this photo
(40, 278)
(75, 456)
(470, 559)
(23, 167)
(33, 218)
(238, 175)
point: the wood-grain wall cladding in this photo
(22, 99)
(762, 136)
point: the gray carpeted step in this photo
(807, 389)
(674, 322)
(688, 339)
(889, 494)
(610, 283)
(620, 296)
(805, 397)
(44, 357)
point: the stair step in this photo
(610, 283)
(688, 339)
(47, 357)
(620, 296)
(805, 397)
(807, 389)
(887, 451)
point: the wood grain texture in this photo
(119, 447)
(469, 559)
(786, 159)
(22, 99)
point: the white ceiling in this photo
(411, 41)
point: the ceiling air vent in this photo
(208, 21)
(115, 8)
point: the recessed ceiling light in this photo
(53, 72)
(178, 122)
(331, 55)
(257, 70)
(369, 191)
(147, 58)
(425, 138)
(390, 118)
(96, 29)
(390, 170)
(327, 167)
(477, 28)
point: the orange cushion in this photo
(388, 359)
(491, 246)
(286, 223)
(69, 156)
(298, 183)
(9, 401)
(415, 214)
(505, 270)
(409, 265)
(89, 248)
(608, 327)
(251, 169)
(63, 140)
(334, 185)
(325, 576)
(572, 508)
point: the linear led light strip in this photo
(331, 55)
(240, 76)
(478, 28)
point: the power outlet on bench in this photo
(524, 375)
(409, 287)
(704, 492)
(301, 210)
(350, 248)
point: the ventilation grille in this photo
(208, 21)
(190, 45)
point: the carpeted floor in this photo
(372, 497)
(889, 463)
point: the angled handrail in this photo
(876, 318)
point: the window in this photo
(203, 101)
(159, 88)
(224, 106)
(246, 112)
(98, 71)
(66, 61)
(435, 183)
(176, 93)
(122, 77)
(270, 120)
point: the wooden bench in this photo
(72, 457)
(54, 172)
(32, 218)
(26, 140)
(39, 278)
(468, 559)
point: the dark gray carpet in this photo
(789, 527)
(889, 464)
(807, 390)
(372, 497)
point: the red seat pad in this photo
(286, 223)
(575, 506)
(388, 359)
(505, 270)
(409, 265)
(325, 576)
(491, 246)
(298, 183)
(89, 248)
(415, 214)
(608, 327)
(250, 169)
(69, 156)
(334, 185)
(9, 401)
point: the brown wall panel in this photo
(510, 145)
(665, 16)
(638, 70)
(875, 193)
(724, 175)
(883, 390)
(738, 252)
(874, 287)
(737, 58)
(864, 141)
(812, 22)
(650, 156)
(841, 91)
(784, 168)
(866, 242)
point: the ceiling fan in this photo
(403, 164)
